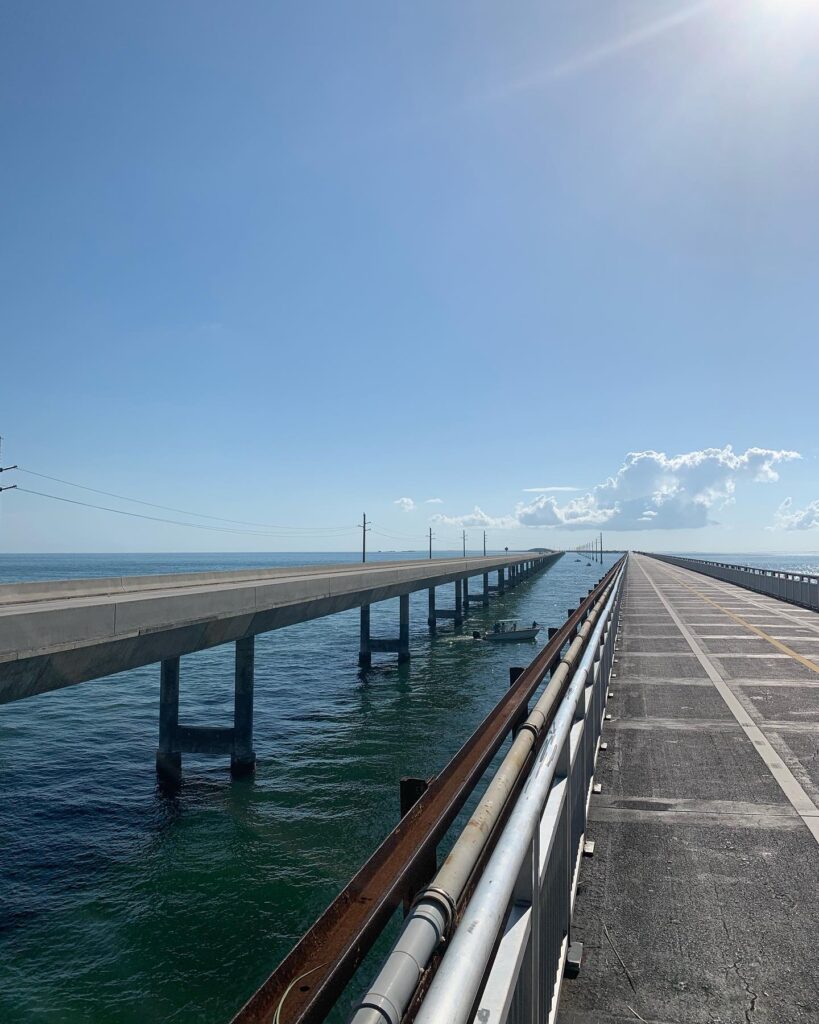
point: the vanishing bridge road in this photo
(700, 902)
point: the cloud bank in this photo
(650, 491)
(787, 517)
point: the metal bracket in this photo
(574, 958)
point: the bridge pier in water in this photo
(236, 741)
(368, 644)
(88, 629)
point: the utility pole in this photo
(364, 530)
(463, 538)
(484, 543)
(430, 543)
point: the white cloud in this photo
(434, 501)
(650, 491)
(477, 518)
(787, 517)
(543, 490)
(407, 504)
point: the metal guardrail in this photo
(307, 983)
(505, 962)
(794, 587)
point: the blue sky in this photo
(287, 263)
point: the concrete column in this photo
(465, 584)
(365, 658)
(485, 589)
(403, 628)
(243, 758)
(169, 759)
(501, 581)
(459, 610)
(432, 622)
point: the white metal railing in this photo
(800, 588)
(506, 960)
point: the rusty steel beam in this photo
(315, 972)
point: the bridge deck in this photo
(700, 903)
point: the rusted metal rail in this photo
(316, 971)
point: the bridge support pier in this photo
(243, 756)
(501, 581)
(237, 741)
(485, 598)
(403, 628)
(168, 756)
(369, 644)
(365, 658)
(456, 613)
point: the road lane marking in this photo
(754, 629)
(796, 795)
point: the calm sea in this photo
(792, 563)
(118, 904)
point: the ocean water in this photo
(120, 904)
(807, 563)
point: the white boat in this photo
(507, 630)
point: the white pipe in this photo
(458, 980)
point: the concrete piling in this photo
(365, 658)
(243, 758)
(403, 628)
(168, 758)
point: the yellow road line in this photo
(755, 629)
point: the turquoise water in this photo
(118, 904)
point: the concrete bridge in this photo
(61, 633)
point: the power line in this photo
(180, 511)
(156, 519)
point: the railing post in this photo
(243, 758)
(411, 789)
(515, 671)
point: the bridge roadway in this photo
(701, 901)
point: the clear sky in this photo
(286, 263)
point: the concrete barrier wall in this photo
(796, 588)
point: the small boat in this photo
(506, 630)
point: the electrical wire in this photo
(182, 511)
(159, 519)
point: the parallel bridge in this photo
(61, 633)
